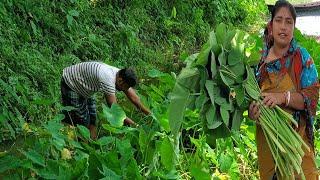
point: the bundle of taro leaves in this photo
(219, 82)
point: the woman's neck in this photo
(279, 51)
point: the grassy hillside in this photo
(38, 38)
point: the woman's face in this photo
(282, 27)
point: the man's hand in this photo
(273, 99)
(93, 131)
(130, 122)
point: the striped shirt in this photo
(89, 77)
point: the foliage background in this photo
(39, 38)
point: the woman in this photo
(288, 78)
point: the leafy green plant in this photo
(214, 82)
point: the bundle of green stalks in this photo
(286, 145)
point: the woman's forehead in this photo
(283, 12)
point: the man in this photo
(80, 81)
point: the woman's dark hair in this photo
(283, 3)
(129, 76)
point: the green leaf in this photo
(164, 121)
(190, 59)
(174, 12)
(234, 57)
(236, 120)
(118, 130)
(58, 141)
(80, 168)
(225, 115)
(69, 20)
(2, 117)
(203, 56)
(74, 13)
(125, 150)
(239, 90)
(203, 78)
(213, 65)
(157, 90)
(238, 70)
(9, 162)
(220, 132)
(213, 40)
(64, 173)
(106, 140)
(94, 166)
(167, 175)
(167, 154)
(220, 100)
(226, 79)
(201, 100)
(222, 58)
(178, 103)
(154, 73)
(227, 44)
(68, 108)
(210, 88)
(212, 121)
(34, 27)
(58, 117)
(53, 127)
(221, 30)
(92, 37)
(51, 170)
(199, 169)
(35, 157)
(251, 89)
(108, 173)
(84, 131)
(143, 140)
(114, 115)
(146, 147)
(253, 59)
(225, 162)
(43, 101)
(238, 38)
(133, 170)
(188, 78)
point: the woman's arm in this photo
(294, 100)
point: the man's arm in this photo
(135, 99)
(113, 99)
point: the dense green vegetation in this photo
(38, 38)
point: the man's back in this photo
(89, 77)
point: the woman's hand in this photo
(272, 99)
(254, 111)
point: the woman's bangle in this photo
(288, 96)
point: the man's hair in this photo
(129, 76)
